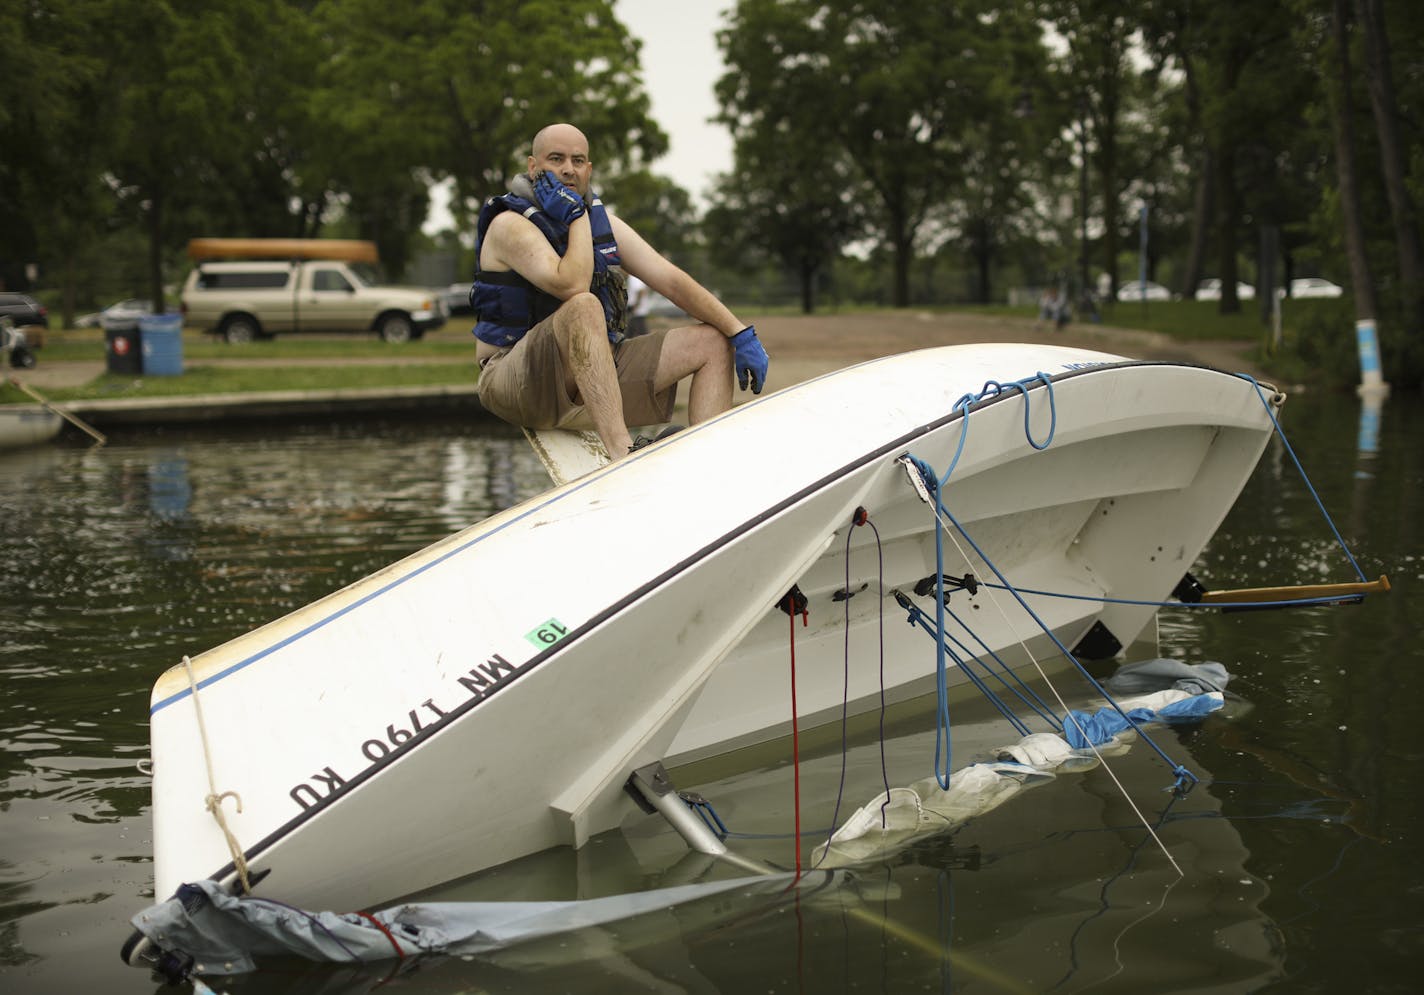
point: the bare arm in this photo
(513, 243)
(648, 265)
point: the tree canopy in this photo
(250, 117)
(972, 144)
(1009, 132)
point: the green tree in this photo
(1243, 85)
(184, 94)
(1007, 155)
(293, 117)
(785, 201)
(791, 196)
(657, 208)
(1097, 40)
(54, 128)
(1385, 103)
(894, 87)
(452, 89)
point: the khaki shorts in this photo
(524, 384)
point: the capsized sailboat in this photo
(489, 696)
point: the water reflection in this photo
(119, 560)
(116, 562)
(1371, 406)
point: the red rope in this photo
(400, 954)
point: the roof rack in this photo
(345, 249)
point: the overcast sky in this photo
(681, 64)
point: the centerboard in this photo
(566, 454)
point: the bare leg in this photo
(581, 332)
(705, 354)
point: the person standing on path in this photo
(639, 303)
(552, 311)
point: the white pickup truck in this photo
(300, 286)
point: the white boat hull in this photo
(487, 697)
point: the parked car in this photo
(1136, 290)
(300, 285)
(662, 307)
(1314, 286)
(1210, 290)
(24, 310)
(129, 309)
(457, 299)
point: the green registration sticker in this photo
(547, 634)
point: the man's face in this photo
(564, 152)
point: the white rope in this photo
(213, 801)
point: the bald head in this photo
(561, 149)
(558, 133)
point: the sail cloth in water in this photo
(204, 930)
(1185, 693)
(207, 931)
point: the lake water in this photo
(1299, 851)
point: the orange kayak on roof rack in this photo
(345, 249)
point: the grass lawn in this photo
(1186, 320)
(88, 343)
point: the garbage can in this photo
(121, 345)
(162, 341)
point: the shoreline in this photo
(801, 347)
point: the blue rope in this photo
(1184, 776)
(917, 617)
(1280, 433)
(1042, 708)
(992, 388)
(1291, 603)
(935, 486)
(943, 759)
(1052, 408)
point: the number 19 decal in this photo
(547, 634)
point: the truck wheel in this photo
(396, 328)
(241, 329)
(21, 358)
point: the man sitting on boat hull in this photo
(552, 309)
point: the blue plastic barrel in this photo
(162, 338)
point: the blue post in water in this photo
(1372, 390)
(1371, 378)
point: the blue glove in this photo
(557, 200)
(751, 359)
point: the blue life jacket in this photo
(507, 305)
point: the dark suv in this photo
(23, 310)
